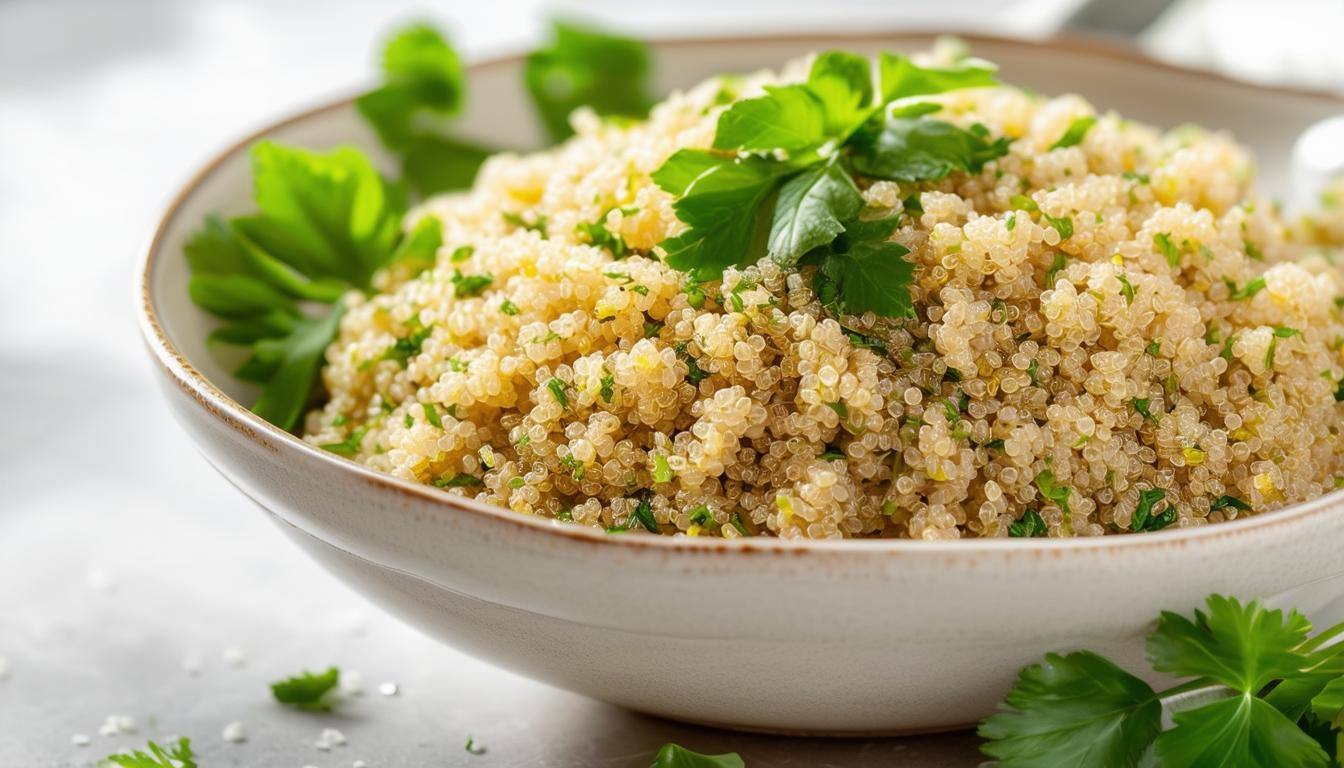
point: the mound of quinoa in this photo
(1092, 322)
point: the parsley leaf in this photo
(1144, 519)
(1229, 501)
(585, 67)
(899, 77)
(677, 756)
(307, 690)
(1241, 646)
(1241, 730)
(909, 148)
(873, 277)
(179, 756)
(811, 208)
(1076, 710)
(1028, 526)
(423, 78)
(1077, 129)
(791, 118)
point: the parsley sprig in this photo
(154, 756)
(782, 177)
(1283, 695)
(308, 690)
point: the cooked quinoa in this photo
(1093, 324)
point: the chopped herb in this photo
(516, 483)
(338, 420)
(832, 453)
(538, 224)
(995, 445)
(1063, 225)
(951, 374)
(1126, 289)
(508, 307)
(1051, 491)
(643, 290)
(459, 480)
(643, 514)
(307, 690)
(1252, 250)
(1030, 525)
(432, 414)
(408, 420)
(1075, 133)
(557, 388)
(462, 253)
(1162, 241)
(575, 467)
(839, 408)
(1154, 348)
(466, 286)
(1280, 332)
(402, 350)
(1056, 266)
(1034, 372)
(702, 515)
(1141, 405)
(694, 373)
(1247, 291)
(695, 297)
(458, 365)
(474, 748)
(1011, 221)
(1136, 177)
(608, 390)
(1024, 203)
(1144, 520)
(601, 237)
(1223, 502)
(350, 445)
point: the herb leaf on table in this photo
(179, 756)
(1285, 695)
(677, 756)
(307, 690)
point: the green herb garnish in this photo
(557, 388)
(1126, 289)
(1282, 709)
(1144, 519)
(1141, 404)
(350, 445)
(1223, 502)
(459, 480)
(1162, 241)
(508, 307)
(586, 68)
(1247, 291)
(308, 690)
(467, 286)
(780, 178)
(677, 756)
(1051, 491)
(1029, 525)
(1075, 133)
(179, 756)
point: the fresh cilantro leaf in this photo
(791, 118)
(1031, 524)
(1075, 133)
(1242, 730)
(873, 277)
(585, 67)
(307, 690)
(1241, 646)
(179, 756)
(1052, 491)
(676, 756)
(810, 209)
(917, 149)
(899, 77)
(1078, 710)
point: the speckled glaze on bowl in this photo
(851, 637)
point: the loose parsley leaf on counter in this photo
(677, 756)
(586, 68)
(1285, 692)
(780, 178)
(423, 83)
(307, 690)
(179, 756)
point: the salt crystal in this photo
(233, 732)
(80, 740)
(388, 689)
(234, 657)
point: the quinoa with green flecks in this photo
(1111, 333)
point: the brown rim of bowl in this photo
(241, 419)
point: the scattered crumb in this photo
(234, 657)
(115, 725)
(330, 738)
(359, 764)
(474, 748)
(388, 689)
(80, 740)
(234, 732)
(193, 665)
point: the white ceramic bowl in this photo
(828, 637)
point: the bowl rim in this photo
(235, 416)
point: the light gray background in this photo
(123, 558)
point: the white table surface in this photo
(124, 559)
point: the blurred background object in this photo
(135, 581)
